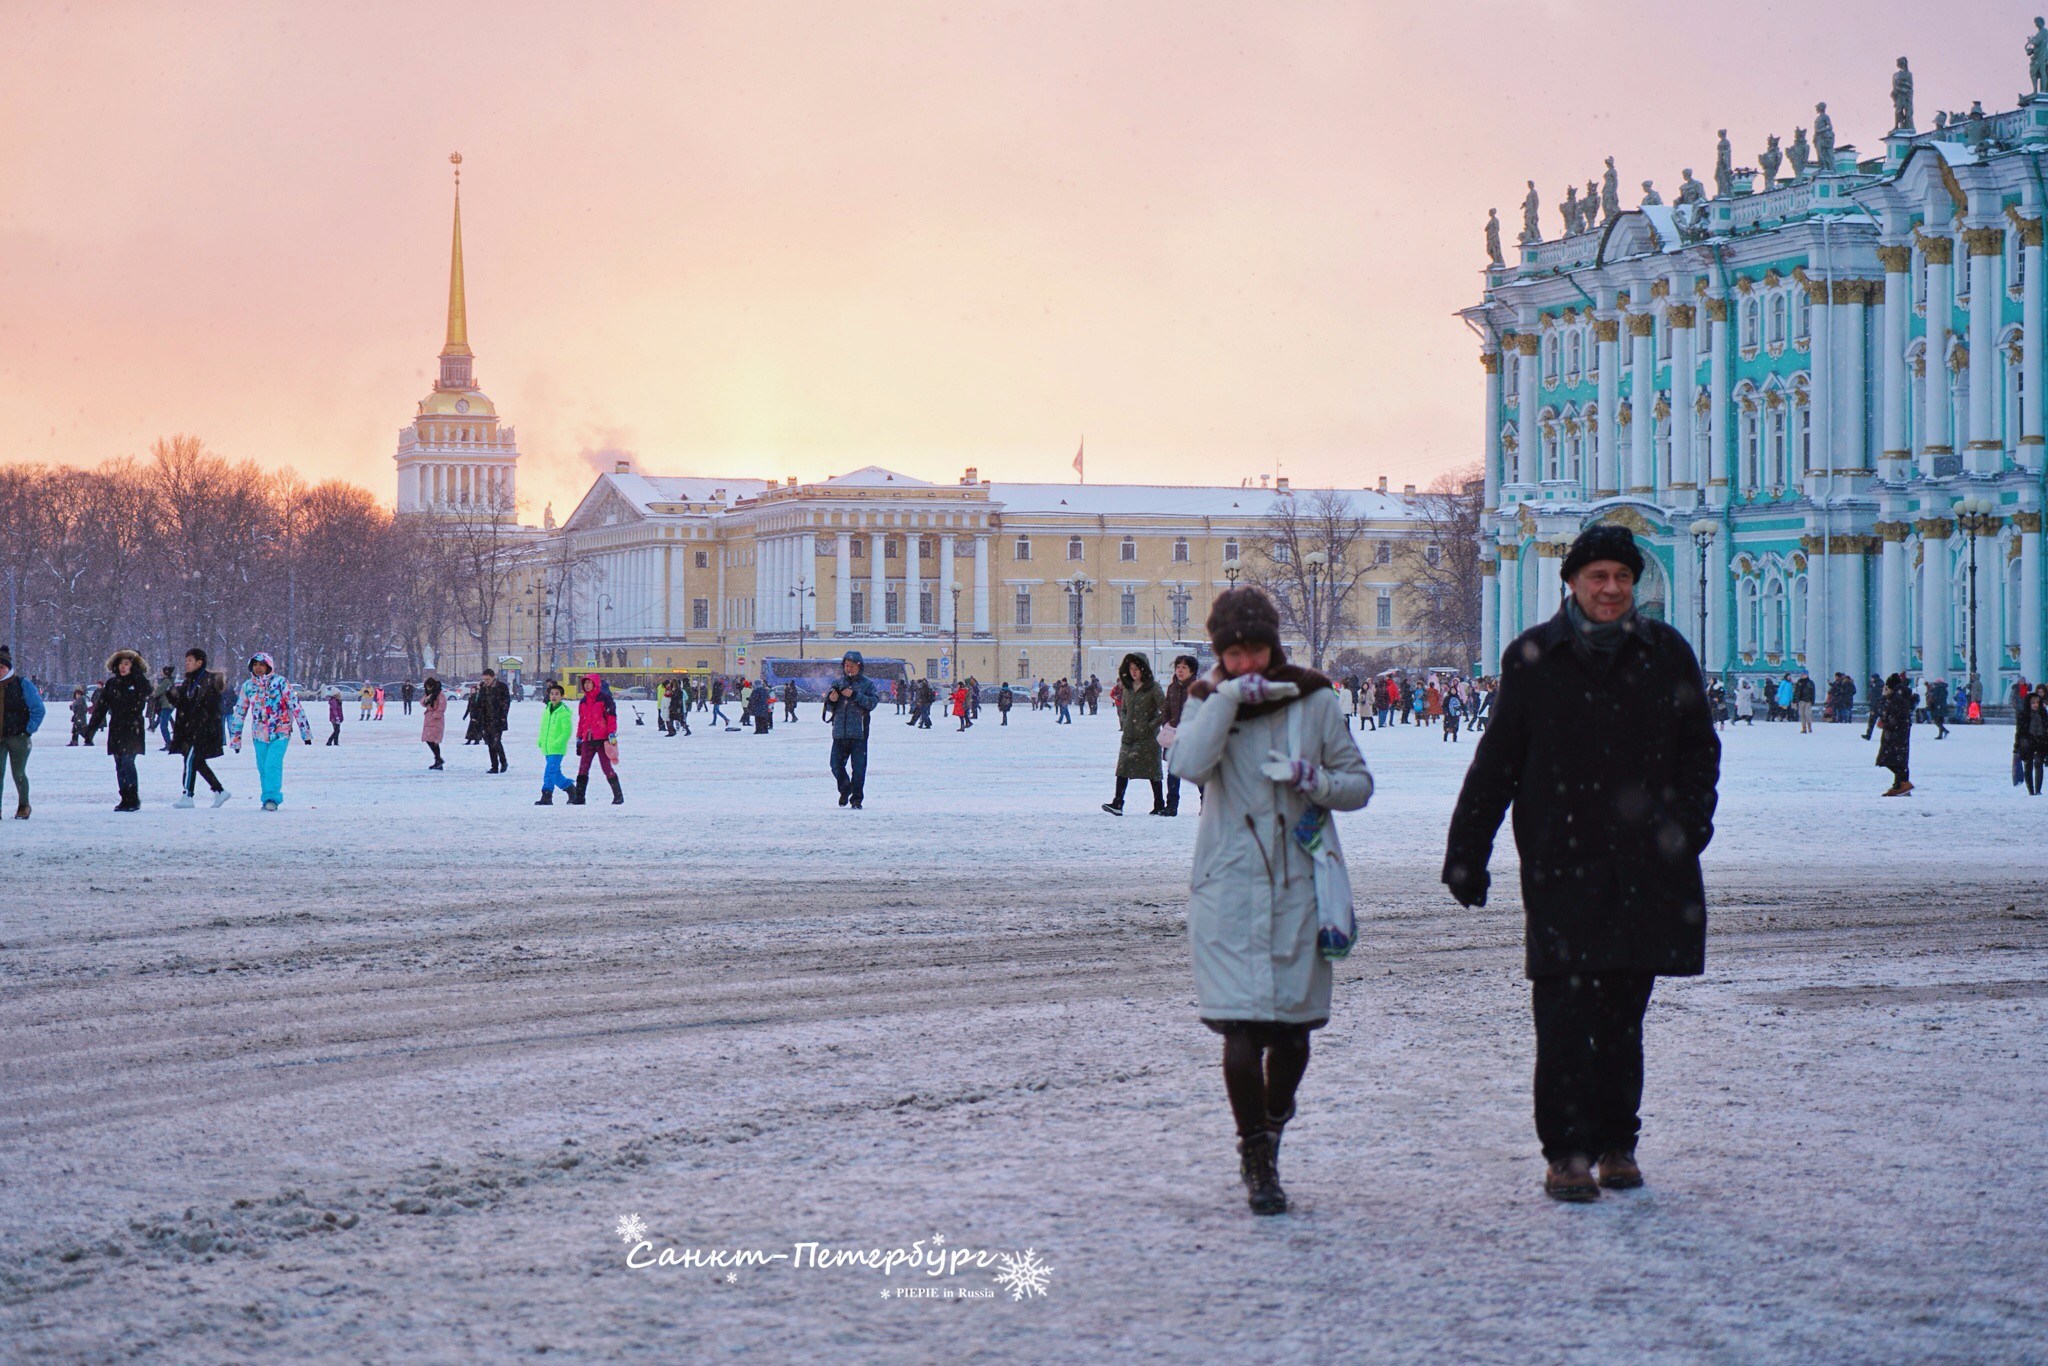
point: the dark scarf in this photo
(1597, 639)
(1308, 680)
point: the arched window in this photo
(1774, 445)
(1074, 548)
(1571, 357)
(1128, 551)
(2012, 600)
(1802, 315)
(1550, 367)
(1774, 618)
(1749, 324)
(1748, 623)
(1802, 440)
(1776, 332)
(1795, 615)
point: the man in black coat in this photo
(493, 710)
(1602, 743)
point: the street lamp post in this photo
(803, 592)
(1232, 567)
(604, 605)
(1077, 588)
(1703, 532)
(1315, 560)
(1179, 598)
(1976, 516)
(953, 586)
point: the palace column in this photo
(1823, 402)
(1854, 440)
(1987, 387)
(2034, 345)
(1936, 651)
(1606, 448)
(1891, 600)
(1721, 431)
(1490, 362)
(944, 588)
(1548, 585)
(1990, 605)
(913, 577)
(1934, 424)
(1510, 594)
(878, 570)
(1896, 452)
(981, 587)
(1528, 398)
(1489, 616)
(1685, 480)
(1642, 400)
(1853, 601)
(1717, 655)
(842, 585)
(2033, 655)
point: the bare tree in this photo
(1446, 568)
(1309, 557)
(476, 545)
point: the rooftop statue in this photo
(1610, 193)
(1823, 140)
(1769, 160)
(1690, 191)
(1574, 223)
(1650, 195)
(1902, 98)
(1532, 231)
(1724, 167)
(1493, 256)
(1799, 154)
(2037, 57)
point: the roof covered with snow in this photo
(1176, 500)
(875, 477)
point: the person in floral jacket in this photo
(272, 708)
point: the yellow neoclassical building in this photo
(654, 574)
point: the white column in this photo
(767, 580)
(1549, 588)
(913, 622)
(1853, 658)
(1684, 479)
(2035, 344)
(1818, 622)
(1491, 434)
(1934, 401)
(1721, 434)
(1823, 406)
(1489, 617)
(1896, 441)
(981, 587)
(1850, 390)
(2033, 655)
(1716, 657)
(1987, 386)
(878, 580)
(1891, 601)
(842, 586)
(1510, 596)
(1990, 607)
(1529, 397)
(945, 587)
(1642, 403)
(1935, 648)
(1606, 448)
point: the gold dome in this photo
(456, 403)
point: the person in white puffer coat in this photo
(1252, 920)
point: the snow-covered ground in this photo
(377, 1078)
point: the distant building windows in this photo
(1128, 607)
(1023, 548)
(924, 607)
(1383, 552)
(1750, 315)
(859, 608)
(927, 548)
(703, 559)
(1283, 553)
(1433, 555)
(1230, 549)
(892, 549)
(700, 614)
(1128, 551)
(1383, 611)
(1024, 607)
(1180, 550)
(1074, 550)
(823, 545)
(859, 547)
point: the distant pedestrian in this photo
(597, 737)
(493, 704)
(849, 703)
(1004, 701)
(160, 714)
(195, 727)
(557, 727)
(433, 719)
(380, 700)
(120, 706)
(271, 708)
(1138, 719)
(333, 717)
(1185, 667)
(1937, 706)
(405, 695)
(789, 696)
(1894, 751)
(21, 716)
(81, 708)
(2030, 738)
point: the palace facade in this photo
(1816, 400)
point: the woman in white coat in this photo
(1265, 740)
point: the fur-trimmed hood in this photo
(137, 667)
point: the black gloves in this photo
(1468, 885)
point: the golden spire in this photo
(458, 311)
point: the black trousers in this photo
(1589, 1061)
(495, 743)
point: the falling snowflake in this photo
(1022, 1276)
(630, 1229)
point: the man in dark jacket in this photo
(848, 704)
(121, 706)
(1601, 719)
(195, 725)
(492, 707)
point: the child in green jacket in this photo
(557, 724)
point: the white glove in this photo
(1248, 690)
(1299, 774)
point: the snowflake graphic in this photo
(630, 1228)
(938, 1240)
(732, 1278)
(1022, 1276)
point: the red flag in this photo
(1078, 453)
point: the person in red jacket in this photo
(597, 730)
(960, 706)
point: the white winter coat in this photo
(1745, 699)
(1252, 901)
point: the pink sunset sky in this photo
(768, 239)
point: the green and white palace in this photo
(1815, 398)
